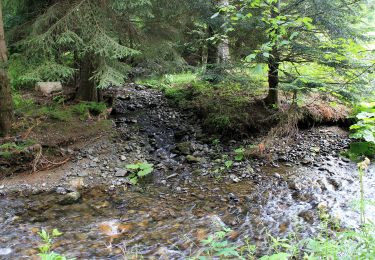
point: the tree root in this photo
(40, 162)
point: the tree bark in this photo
(272, 98)
(6, 102)
(223, 47)
(87, 90)
(212, 52)
(273, 79)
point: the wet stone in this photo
(70, 198)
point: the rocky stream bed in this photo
(190, 194)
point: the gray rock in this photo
(307, 160)
(192, 159)
(48, 88)
(70, 198)
(184, 148)
(121, 172)
(234, 178)
(61, 190)
(83, 174)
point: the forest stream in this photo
(188, 196)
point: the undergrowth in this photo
(225, 108)
(7, 150)
(363, 131)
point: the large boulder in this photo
(47, 88)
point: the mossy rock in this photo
(184, 148)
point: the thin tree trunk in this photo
(6, 103)
(212, 52)
(272, 98)
(223, 47)
(273, 79)
(87, 90)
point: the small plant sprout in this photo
(362, 167)
(239, 154)
(139, 170)
(45, 250)
(228, 164)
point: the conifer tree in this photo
(5, 90)
(84, 37)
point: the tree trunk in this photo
(87, 90)
(6, 103)
(212, 52)
(223, 51)
(273, 79)
(272, 98)
(223, 47)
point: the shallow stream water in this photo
(158, 222)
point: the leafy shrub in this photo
(364, 130)
(55, 113)
(20, 103)
(240, 154)
(7, 150)
(139, 170)
(85, 109)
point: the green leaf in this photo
(364, 115)
(250, 57)
(145, 172)
(228, 164)
(56, 233)
(145, 165)
(369, 136)
(293, 35)
(133, 181)
(132, 166)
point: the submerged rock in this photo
(70, 198)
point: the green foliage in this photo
(218, 246)
(54, 112)
(45, 250)
(139, 170)
(290, 34)
(7, 150)
(64, 34)
(20, 103)
(58, 111)
(239, 154)
(85, 109)
(228, 164)
(364, 130)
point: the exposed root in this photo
(282, 133)
(40, 162)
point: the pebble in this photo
(121, 172)
(61, 190)
(234, 178)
